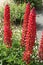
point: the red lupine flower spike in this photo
(30, 36)
(40, 49)
(7, 30)
(31, 31)
(25, 23)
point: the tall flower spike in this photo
(30, 36)
(25, 23)
(7, 30)
(40, 49)
(31, 31)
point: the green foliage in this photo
(36, 3)
(17, 11)
(1, 12)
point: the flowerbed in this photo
(20, 47)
